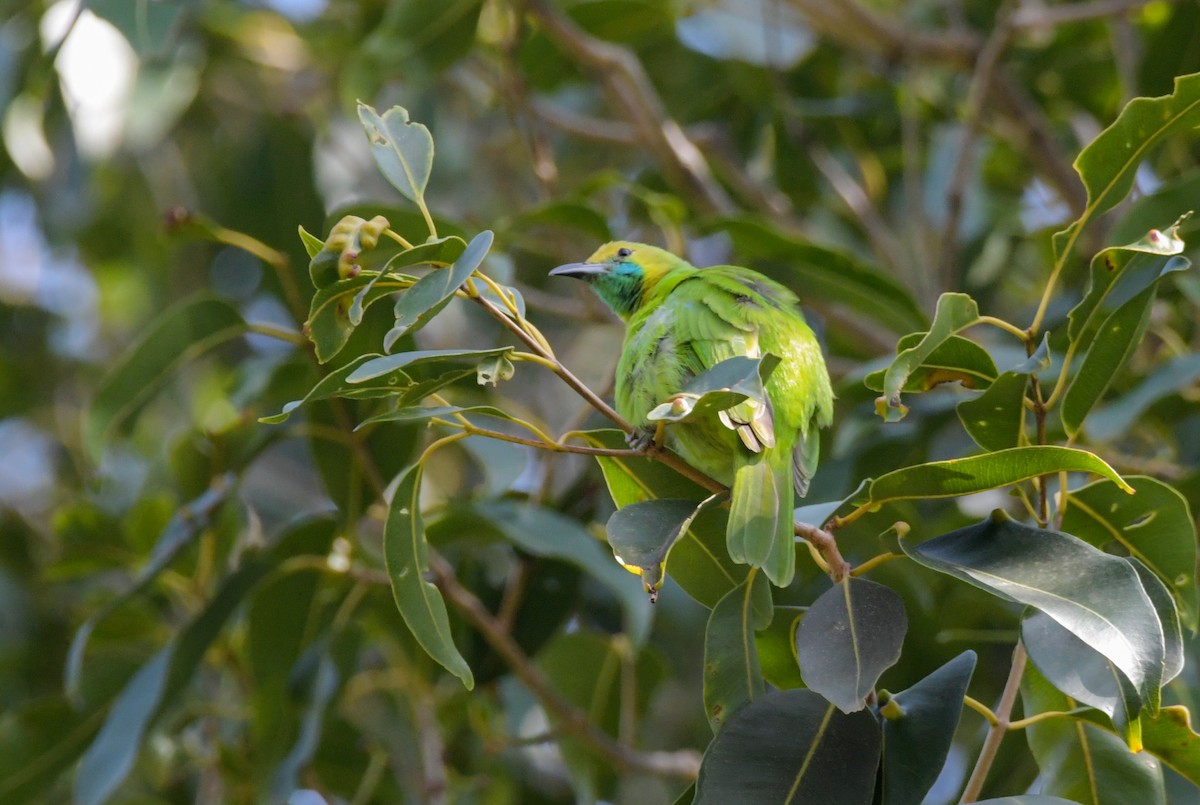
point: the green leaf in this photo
(180, 335)
(1119, 416)
(1155, 526)
(918, 729)
(700, 563)
(1171, 739)
(324, 684)
(111, 756)
(312, 244)
(642, 534)
(546, 533)
(730, 382)
(335, 384)
(955, 359)
(329, 325)
(1108, 165)
(426, 298)
(776, 646)
(440, 252)
(1120, 273)
(1168, 616)
(417, 413)
(407, 561)
(850, 635)
(994, 418)
(1111, 347)
(1079, 671)
(965, 476)
(378, 366)
(731, 672)
(1096, 596)
(403, 149)
(181, 530)
(955, 312)
(491, 371)
(816, 272)
(1080, 761)
(791, 746)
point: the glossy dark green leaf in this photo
(181, 334)
(994, 418)
(850, 635)
(955, 359)
(792, 746)
(955, 312)
(1154, 525)
(642, 534)
(776, 646)
(1110, 348)
(329, 326)
(403, 149)
(918, 729)
(111, 756)
(1119, 416)
(406, 557)
(547, 533)
(818, 272)
(182, 529)
(725, 385)
(1094, 595)
(1080, 761)
(1108, 165)
(378, 366)
(965, 476)
(1079, 671)
(732, 678)
(432, 292)
(1168, 616)
(700, 562)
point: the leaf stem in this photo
(998, 729)
(399, 239)
(982, 709)
(279, 333)
(1007, 327)
(1022, 723)
(874, 562)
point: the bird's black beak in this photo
(581, 271)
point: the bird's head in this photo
(622, 273)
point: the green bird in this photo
(681, 321)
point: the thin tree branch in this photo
(998, 729)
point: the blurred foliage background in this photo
(888, 151)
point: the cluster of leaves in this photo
(396, 504)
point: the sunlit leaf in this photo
(407, 560)
(732, 677)
(955, 359)
(955, 312)
(642, 534)
(403, 149)
(918, 729)
(994, 418)
(792, 746)
(385, 365)
(181, 334)
(1096, 596)
(850, 635)
(420, 303)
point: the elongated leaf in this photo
(955, 359)
(965, 476)
(324, 684)
(546, 533)
(312, 243)
(110, 757)
(419, 413)
(180, 335)
(329, 326)
(403, 149)
(994, 418)
(850, 635)
(1155, 526)
(384, 365)
(1119, 416)
(791, 746)
(918, 729)
(1096, 596)
(642, 534)
(700, 563)
(1168, 616)
(431, 293)
(440, 252)
(1114, 342)
(335, 384)
(776, 646)
(1083, 762)
(1109, 164)
(955, 312)
(407, 560)
(732, 678)
(816, 272)
(183, 527)
(1079, 671)
(725, 385)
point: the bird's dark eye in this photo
(624, 252)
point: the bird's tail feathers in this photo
(761, 532)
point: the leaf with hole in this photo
(955, 312)
(403, 149)
(994, 418)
